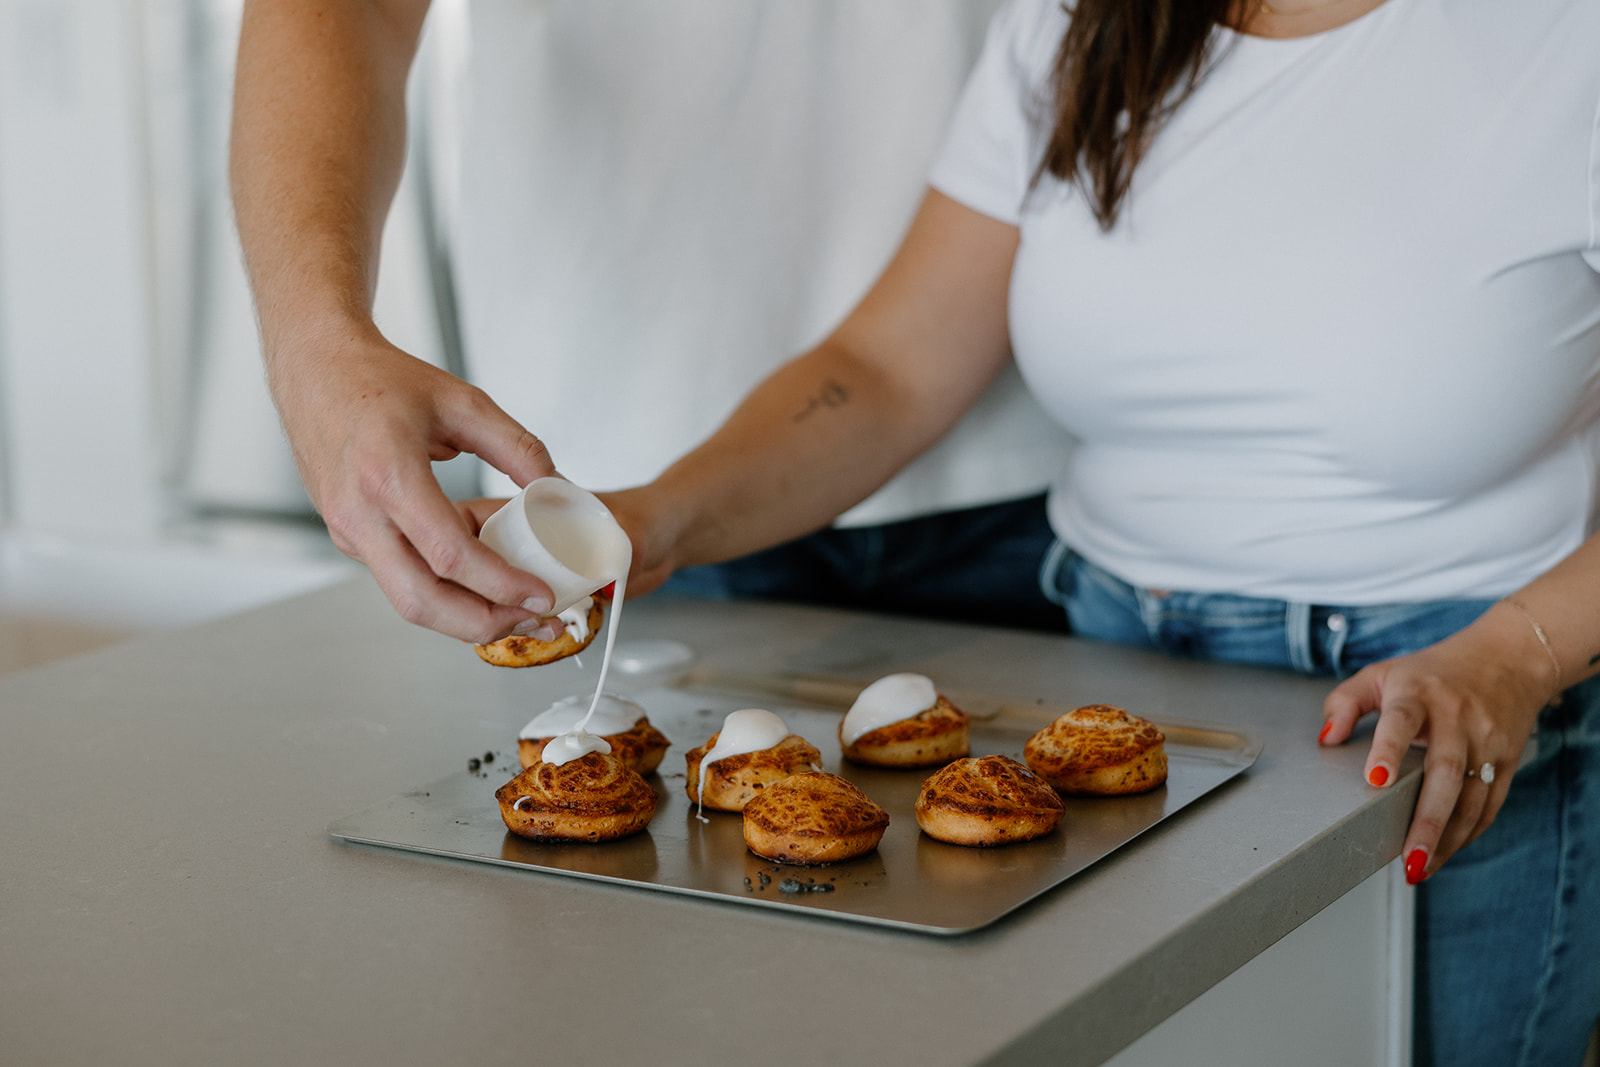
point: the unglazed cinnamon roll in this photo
(596, 797)
(752, 751)
(813, 817)
(1099, 750)
(582, 623)
(987, 800)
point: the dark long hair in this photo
(1123, 67)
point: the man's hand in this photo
(365, 421)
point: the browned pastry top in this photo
(988, 787)
(1091, 737)
(939, 719)
(597, 783)
(815, 804)
(792, 753)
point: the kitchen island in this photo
(169, 893)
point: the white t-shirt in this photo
(1343, 344)
(660, 203)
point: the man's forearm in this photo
(318, 148)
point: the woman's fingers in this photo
(1480, 802)
(1402, 715)
(1356, 696)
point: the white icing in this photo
(890, 699)
(616, 566)
(577, 619)
(613, 715)
(582, 726)
(747, 730)
(574, 745)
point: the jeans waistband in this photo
(1308, 637)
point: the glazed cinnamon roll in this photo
(622, 723)
(733, 781)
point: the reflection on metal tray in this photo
(911, 882)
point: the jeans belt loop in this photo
(1297, 633)
(1049, 573)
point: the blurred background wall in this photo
(133, 411)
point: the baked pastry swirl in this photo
(813, 817)
(732, 781)
(596, 797)
(987, 800)
(640, 747)
(929, 738)
(515, 651)
(1099, 750)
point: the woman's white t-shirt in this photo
(1343, 343)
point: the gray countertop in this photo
(169, 894)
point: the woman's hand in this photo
(1472, 700)
(365, 421)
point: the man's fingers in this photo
(479, 426)
(476, 512)
(424, 599)
(442, 537)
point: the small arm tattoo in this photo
(831, 395)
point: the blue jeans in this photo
(1508, 931)
(975, 565)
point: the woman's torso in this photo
(1341, 345)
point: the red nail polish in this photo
(1379, 775)
(1323, 736)
(1416, 864)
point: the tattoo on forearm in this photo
(831, 395)
(1594, 659)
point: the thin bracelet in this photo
(1544, 639)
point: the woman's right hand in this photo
(366, 421)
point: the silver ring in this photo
(1486, 772)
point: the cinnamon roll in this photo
(733, 781)
(582, 624)
(596, 797)
(1099, 750)
(813, 817)
(987, 800)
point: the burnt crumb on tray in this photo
(795, 885)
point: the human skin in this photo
(827, 428)
(317, 150)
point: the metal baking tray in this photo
(910, 882)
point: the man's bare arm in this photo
(318, 148)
